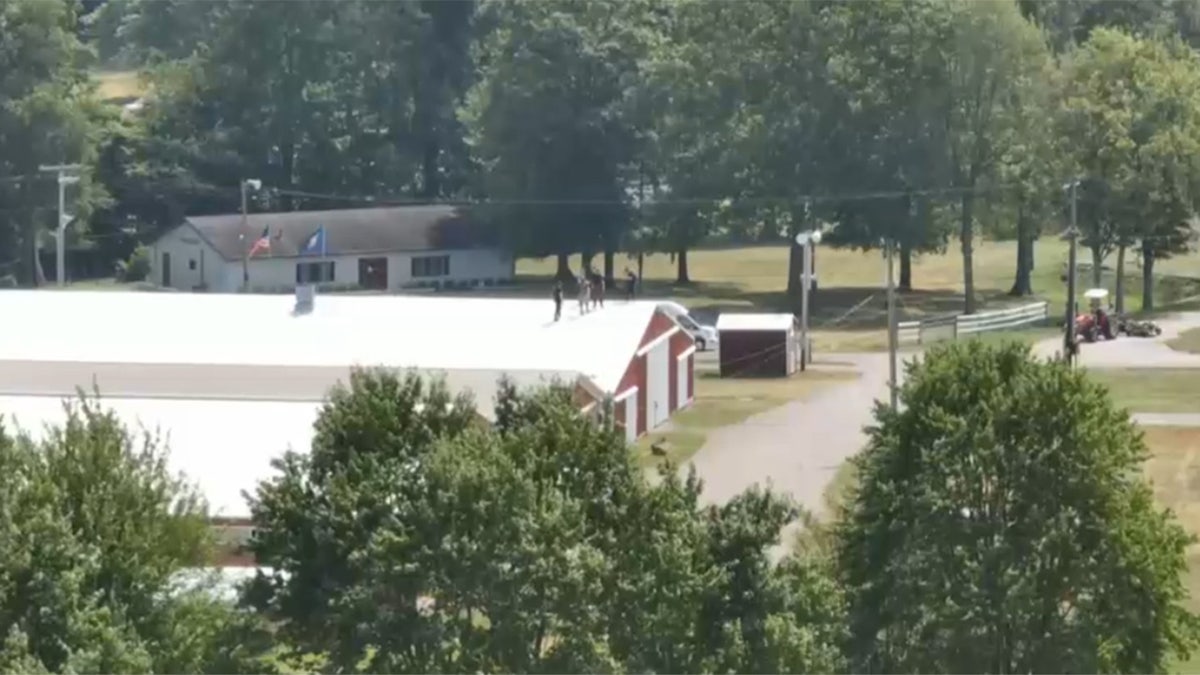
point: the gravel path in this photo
(1127, 352)
(798, 447)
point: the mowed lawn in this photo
(722, 402)
(1187, 341)
(848, 310)
(1152, 390)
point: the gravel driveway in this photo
(797, 447)
(1127, 352)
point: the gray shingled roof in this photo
(347, 231)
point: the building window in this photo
(192, 265)
(431, 266)
(314, 272)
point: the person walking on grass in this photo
(558, 298)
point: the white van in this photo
(705, 336)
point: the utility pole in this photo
(66, 176)
(246, 185)
(891, 319)
(1072, 235)
(807, 240)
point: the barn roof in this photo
(479, 338)
(749, 322)
(347, 231)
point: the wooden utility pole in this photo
(891, 319)
(1072, 236)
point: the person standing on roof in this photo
(584, 294)
(598, 291)
(558, 297)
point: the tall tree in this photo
(48, 117)
(552, 124)
(93, 531)
(1130, 117)
(533, 545)
(887, 69)
(1002, 524)
(985, 88)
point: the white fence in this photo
(932, 330)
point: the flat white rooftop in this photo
(429, 333)
(733, 321)
(222, 447)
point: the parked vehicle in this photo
(704, 335)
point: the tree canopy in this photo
(1002, 524)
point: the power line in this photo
(692, 201)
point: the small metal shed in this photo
(758, 345)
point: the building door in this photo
(658, 385)
(166, 269)
(372, 273)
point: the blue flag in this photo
(315, 244)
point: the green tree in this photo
(986, 87)
(887, 70)
(48, 117)
(93, 531)
(1002, 524)
(1130, 117)
(413, 539)
(551, 122)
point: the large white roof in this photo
(732, 321)
(428, 333)
(223, 447)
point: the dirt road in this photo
(798, 447)
(1127, 352)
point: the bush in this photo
(137, 267)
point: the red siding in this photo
(692, 375)
(672, 384)
(659, 324)
(635, 374)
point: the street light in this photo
(807, 240)
(65, 178)
(256, 185)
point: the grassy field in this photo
(721, 402)
(1174, 471)
(1187, 341)
(117, 85)
(1153, 390)
(849, 310)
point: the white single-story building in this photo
(384, 248)
(234, 380)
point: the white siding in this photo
(630, 398)
(472, 267)
(682, 395)
(658, 373)
(193, 262)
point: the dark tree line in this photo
(599, 127)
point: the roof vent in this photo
(305, 296)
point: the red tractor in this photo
(1094, 324)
